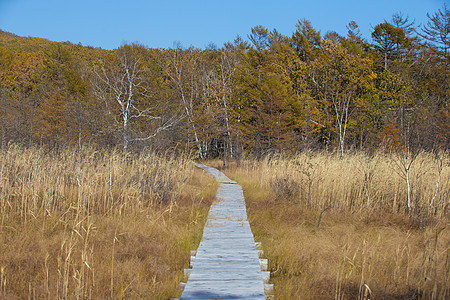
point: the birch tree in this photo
(181, 69)
(404, 160)
(124, 86)
(218, 82)
(343, 79)
(341, 103)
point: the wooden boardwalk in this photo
(226, 265)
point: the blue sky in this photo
(158, 24)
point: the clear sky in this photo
(159, 24)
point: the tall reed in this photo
(358, 182)
(342, 229)
(95, 224)
(38, 182)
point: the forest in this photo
(266, 93)
(339, 142)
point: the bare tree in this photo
(218, 85)
(404, 159)
(181, 69)
(125, 89)
(341, 104)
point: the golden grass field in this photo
(94, 225)
(341, 229)
(88, 224)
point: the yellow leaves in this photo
(6, 58)
(21, 72)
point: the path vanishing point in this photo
(226, 264)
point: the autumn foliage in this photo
(341, 145)
(268, 93)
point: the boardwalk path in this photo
(226, 265)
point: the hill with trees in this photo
(268, 93)
(99, 197)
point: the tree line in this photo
(266, 93)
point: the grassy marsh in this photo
(91, 224)
(341, 229)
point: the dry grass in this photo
(95, 225)
(341, 229)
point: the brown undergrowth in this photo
(96, 225)
(335, 229)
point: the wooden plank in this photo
(216, 174)
(231, 289)
(226, 264)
